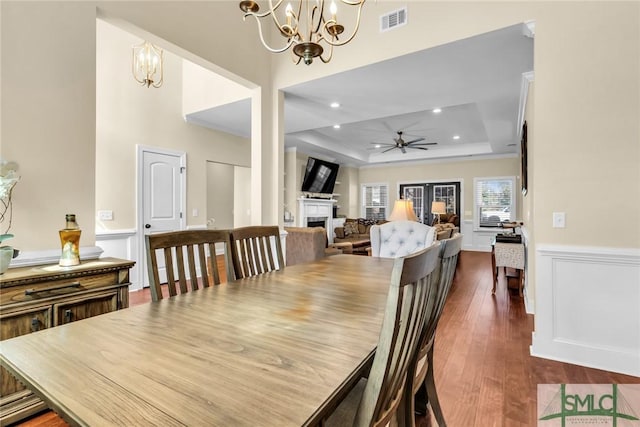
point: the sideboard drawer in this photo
(20, 322)
(57, 288)
(84, 307)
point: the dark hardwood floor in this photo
(484, 373)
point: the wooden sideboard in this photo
(44, 296)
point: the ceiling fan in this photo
(403, 145)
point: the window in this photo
(494, 201)
(374, 201)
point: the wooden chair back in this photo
(423, 371)
(256, 250)
(448, 261)
(410, 302)
(182, 252)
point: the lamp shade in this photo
(438, 208)
(403, 210)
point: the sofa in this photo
(355, 230)
(306, 244)
(445, 230)
(450, 218)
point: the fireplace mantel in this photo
(316, 210)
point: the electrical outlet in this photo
(105, 215)
(558, 220)
(195, 212)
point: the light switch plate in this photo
(558, 220)
(105, 215)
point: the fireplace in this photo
(317, 222)
(316, 213)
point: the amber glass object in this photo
(70, 241)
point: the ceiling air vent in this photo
(394, 19)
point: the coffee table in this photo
(358, 247)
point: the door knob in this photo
(147, 226)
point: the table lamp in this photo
(438, 208)
(403, 210)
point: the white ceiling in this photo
(476, 82)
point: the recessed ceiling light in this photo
(456, 136)
(437, 110)
(377, 145)
(336, 126)
(334, 105)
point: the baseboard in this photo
(587, 301)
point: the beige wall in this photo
(203, 89)
(586, 129)
(49, 104)
(462, 170)
(48, 117)
(129, 114)
(586, 100)
(586, 151)
(220, 195)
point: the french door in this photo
(423, 194)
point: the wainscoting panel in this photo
(588, 307)
(122, 244)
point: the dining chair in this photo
(383, 397)
(424, 387)
(184, 250)
(399, 238)
(256, 250)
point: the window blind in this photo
(375, 200)
(494, 201)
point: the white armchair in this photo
(399, 238)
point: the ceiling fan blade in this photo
(386, 125)
(418, 132)
(415, 140)
(408, 127)
(425, 143)
(383, 143)
(418, 148)
(389, 149)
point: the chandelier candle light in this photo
(148, 66)
(305, 27)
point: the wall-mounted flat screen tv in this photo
(319, 176)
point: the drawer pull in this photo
(35, 324)
(67, 316)
(52, 288)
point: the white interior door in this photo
(162, 193)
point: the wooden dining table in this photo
(278, 349)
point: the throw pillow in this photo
(365, 221)
(350, 228)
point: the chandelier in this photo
(306, 27)
(148, 67)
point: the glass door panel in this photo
(416, 195)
